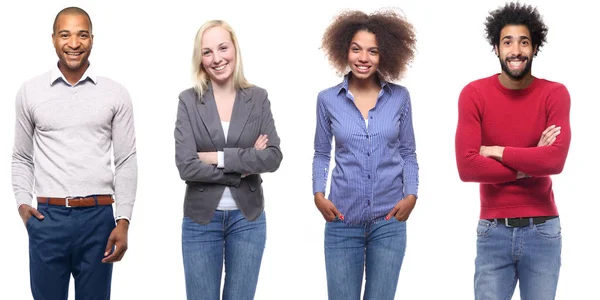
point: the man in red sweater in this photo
(513, 133)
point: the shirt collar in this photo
(344, 85)
(57, 74)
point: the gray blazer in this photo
(198, 129)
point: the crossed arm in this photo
(500, 163)
(264, 156)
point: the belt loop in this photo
(95, 200)
(531, 222)
(47, 202)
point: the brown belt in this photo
(77, 201)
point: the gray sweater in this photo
(63, 137)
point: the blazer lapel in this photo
(207, 109)
(242, 107)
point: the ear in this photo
(496, 51)
(535, 50)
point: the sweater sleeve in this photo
(472, 167)
(22, 158)
(546, 160)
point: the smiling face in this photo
(218, 55)
(72, 40)
(515, 51)
(363, 55)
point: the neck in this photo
(223, 87)
(515, 84)
(363, 84)
(71, 75)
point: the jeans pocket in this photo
(549, 229)
(28, 222)
(483, 228)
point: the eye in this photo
(373, 52)
(205, 53)
(506, 43)
(64, 35)
(84, 35)
(223, 48)
(525, 43)
(354, 49)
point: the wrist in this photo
(319, 196)
(497, 152)
(123, 223)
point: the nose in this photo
(515, 49)
(363, 56)
(217, 58)
(74, 42)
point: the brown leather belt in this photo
(77, 201)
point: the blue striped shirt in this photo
(375, 164)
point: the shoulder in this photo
(331, 93)
(255, 93)
(189, 94)
(397, 90)
(110, 84)
(479, 84)
(551, 86)
(38, 81)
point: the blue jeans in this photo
(228, 236)
(505, 255)
(70, 241)
(377, 246)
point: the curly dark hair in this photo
(516, 14)
(395, 36)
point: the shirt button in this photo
(367, 136)
(368, 153)
(369, 176)
(368, 202)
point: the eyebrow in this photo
(80, 31)
(221, 44)
(523, 37)
(356, 44)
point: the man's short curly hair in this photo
(515, 13)
(395, 37)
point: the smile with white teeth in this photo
(363, 68)
(219, 68)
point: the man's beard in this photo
(516, 74)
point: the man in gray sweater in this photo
(68, 123)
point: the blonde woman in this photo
(225, 138)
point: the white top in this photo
(64, 138)
(227, 202)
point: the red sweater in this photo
(489, 114)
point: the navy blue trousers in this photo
(70, 241)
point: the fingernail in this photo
(387, 217)
(105, 253)
(342, 217)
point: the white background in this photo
(147, 46)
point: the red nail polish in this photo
(342, 217)
(387, 217)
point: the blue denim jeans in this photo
(505, 255)
(377, 246)
(70, 240)
(230, 237)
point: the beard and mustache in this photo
(516, 74)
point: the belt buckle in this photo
(67, 198)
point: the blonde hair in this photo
(200, 77)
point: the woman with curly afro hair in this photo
(375, 178)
